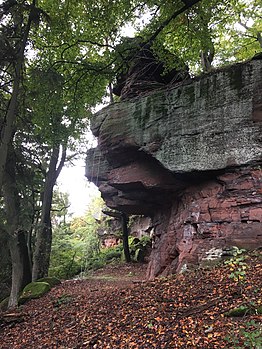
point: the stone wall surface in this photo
(209, 218)
(188, 156)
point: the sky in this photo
(72, 180)
(81, 192)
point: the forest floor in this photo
(115, 308)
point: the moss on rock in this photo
(34, 290)
(52, 281)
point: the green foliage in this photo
(248, 337)
(226, 32)
(111, 253)
(76, 245)
(79, 249)
(138, 247)
(94, 263)
(243, 310)
(237, 266)
(78, 42)
(66, 255)
(105, 256)
(60, 206)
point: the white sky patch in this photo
(72, 180)
(81, 192)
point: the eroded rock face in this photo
(210, 216)
(190, 158)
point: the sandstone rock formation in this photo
(145, 71)
(189, 157)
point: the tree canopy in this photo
(58, 59)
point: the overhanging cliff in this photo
(190, 157)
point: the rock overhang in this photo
(189, 157)
(209, 124)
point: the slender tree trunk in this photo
(124, 220)
(111, 96)
(207, 59)
(259, 39)
(17, 243)
(125, 238)
(42, 252)
(29, 249)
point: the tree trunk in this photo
(17, 243)
(125, 237)
(111, 95)
(259, 39)
(10, 116)
(206, 61)
(44, 233)
(124, 220)
(21, 271)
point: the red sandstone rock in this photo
(216, 221)
(189, 158)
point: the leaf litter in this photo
(116, 308)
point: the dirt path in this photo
(114, 309)
(123, 275)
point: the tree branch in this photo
(62, 161)
(188, 5)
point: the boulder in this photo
(34, 290)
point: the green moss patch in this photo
(52, 281)
(34, 290)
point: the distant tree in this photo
(60, 207)
(76, 242)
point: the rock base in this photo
(207, 219)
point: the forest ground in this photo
(115, 308)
